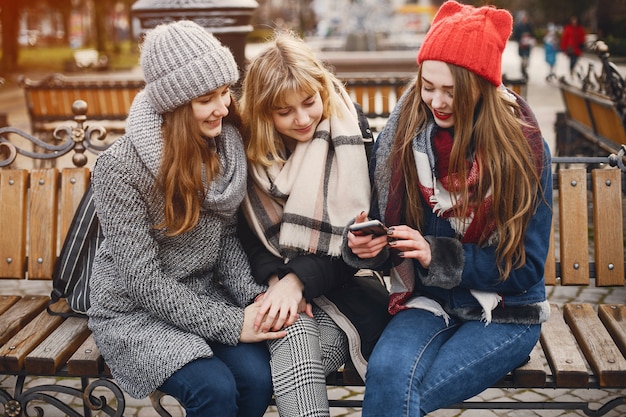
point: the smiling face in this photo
(210, 109)
(299, 117)
(438, 91)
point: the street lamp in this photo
(228, 20)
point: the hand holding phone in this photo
(371, 227)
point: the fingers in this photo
(361, 217)
(274, 335)
(262, 310)
(410, 244)
(367, 246)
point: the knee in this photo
(204, 384)
(381, 365)
(211, 390)
(219, 390)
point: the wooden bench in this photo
(581, 346)
(49, 101)
(590, 125)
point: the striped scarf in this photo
(303, 205)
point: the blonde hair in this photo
(494, 136)
(287, 66)
(185, 152)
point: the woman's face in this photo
(210, 109)
(438, 91)
(299, 118)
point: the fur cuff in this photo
(446, 265)
(354, 261)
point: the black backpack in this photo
(72, 271)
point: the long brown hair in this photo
(506, 163)
(185, 154)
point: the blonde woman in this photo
(307, 174)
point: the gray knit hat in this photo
(182, 61)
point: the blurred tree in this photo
(101, 9)
(9, 19)
(10, 13)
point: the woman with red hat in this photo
(462, 179)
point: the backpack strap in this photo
(64, 277)
(366, 132)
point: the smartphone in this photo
(371, 227)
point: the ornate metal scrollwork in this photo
(24, 403)
(100, 403)
(78, 138)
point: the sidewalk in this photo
(546, 101)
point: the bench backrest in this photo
(377, 96)
(51, 99)
(35, 214)
(38, 205)
(589, 221)
(596, 117)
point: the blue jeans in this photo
(420, 365)
(236, 381)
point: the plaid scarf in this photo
(303, 205)
(438, 192)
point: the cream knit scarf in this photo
(303, 205)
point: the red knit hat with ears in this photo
(470, 37)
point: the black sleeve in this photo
(262, 262)
(319, 274)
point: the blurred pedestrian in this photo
(523, 34)
(551, 47)
(573, 42)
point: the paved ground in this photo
(546, 102)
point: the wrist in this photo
(293, 278)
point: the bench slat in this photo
(576, 107)
(43, 223)
(53, 353)
(87, 360)
(533, 373)
(14, 352)
(596, 344)
(568, 366)
(6, 301)
(614, 318)
(13, 218)
(573, 221)
(608, 226)
(18, 316)
(74, 183)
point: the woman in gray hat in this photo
(172, 293)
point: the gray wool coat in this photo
(156, 301)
